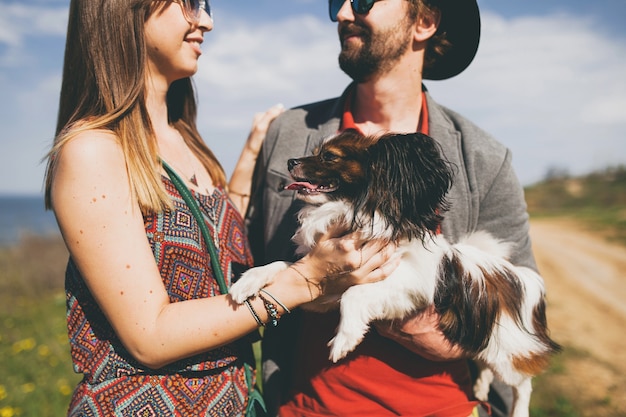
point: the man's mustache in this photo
(352, 29)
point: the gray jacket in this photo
(485, 195)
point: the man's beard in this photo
(378, 53)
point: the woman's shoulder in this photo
(89, 136)
(87, 143)
(91, 153)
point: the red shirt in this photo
(380, 378)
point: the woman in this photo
(150, 326)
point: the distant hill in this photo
(597, 199)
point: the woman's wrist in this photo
(250, 152)
(294, 286)
(266, 308)
(238, 193)
(314, 287)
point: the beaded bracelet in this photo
(284, 307)
(272, 311)
(254, 313)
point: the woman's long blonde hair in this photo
(104, 76)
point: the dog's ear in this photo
(412, 178)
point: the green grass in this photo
(37, 377)
(597, 200)
(547, 400)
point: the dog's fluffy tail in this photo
(487, 243)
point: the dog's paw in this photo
(481, 386)
(481, 391)
(340, 346)
(246, 287)
(251, 281)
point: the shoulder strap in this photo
(255, 398)
(206, 234)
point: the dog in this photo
(394, 188)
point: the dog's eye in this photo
(328, 156)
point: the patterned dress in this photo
(209, 384)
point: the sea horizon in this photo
(24, 215)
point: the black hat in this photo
(460, 20)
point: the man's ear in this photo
(426, 26)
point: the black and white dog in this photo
(394, 188)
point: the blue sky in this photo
(549, 80)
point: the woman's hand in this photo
(240, 184)
(336, 263)
(420, 334)
(260, 124)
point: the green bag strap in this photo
(204, 229)
(254, 396)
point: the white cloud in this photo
(20, 20)
(549, 87)
(606, 110)
(246, 68)
(288, 58)
(21, 23)
(29, 34)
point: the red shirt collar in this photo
(347, 119)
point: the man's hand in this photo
(420, 334)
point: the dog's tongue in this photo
(300, 186)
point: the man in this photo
(387, 47)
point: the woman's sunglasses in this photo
(358, 7)
(192, 9)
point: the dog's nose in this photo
(292, 163)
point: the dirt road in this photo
(586, 282)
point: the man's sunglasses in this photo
(358, 7)
(192, 9)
